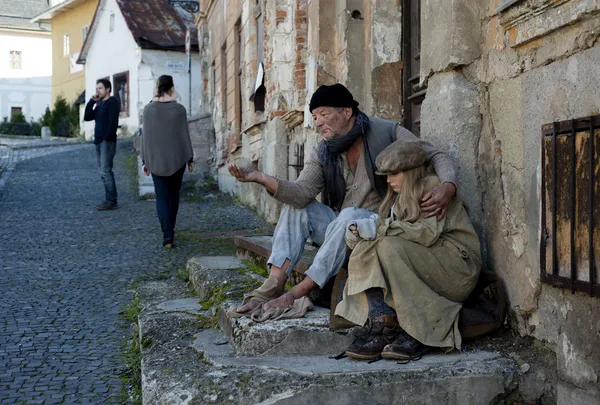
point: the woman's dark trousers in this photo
(167, 201)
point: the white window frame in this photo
(10, 60)
(66, 45)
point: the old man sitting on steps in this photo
(342, 169)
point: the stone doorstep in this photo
(261, 246)
(464, 378)
(215, 374)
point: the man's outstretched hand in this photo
(435, 202)
(244, 174)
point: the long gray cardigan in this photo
(166, 143)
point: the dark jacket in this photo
(106, 115)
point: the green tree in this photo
(60, 123)
(18, 118)
(46, 118)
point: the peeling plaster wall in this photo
(490, 91)
(306, 44)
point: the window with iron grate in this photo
(570, 238)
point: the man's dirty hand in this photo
(244, 174)
(435, 202)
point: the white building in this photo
(132, 43)
(25, 60)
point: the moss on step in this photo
(131, 351)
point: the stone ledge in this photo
(260, 246)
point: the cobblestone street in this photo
(66, 270)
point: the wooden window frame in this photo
(566, 213)
(238, 67)
(125, 109)
(224, 81)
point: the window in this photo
(238, 67)
(121, 91)
(413, 93)
(15, 113)
(213, 88)
(224, 81)
(570, 246)
(66, 45)
(111, 27)
(84, 32)
(259, 91)
(260, 33)
(16, 60)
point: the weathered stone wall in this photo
(495, 77)
(203, 141)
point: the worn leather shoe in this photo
(373, 337)
(405, 347)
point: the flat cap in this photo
(400, 156)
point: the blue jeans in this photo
(167, 201)
(325, 229)
(105, 153)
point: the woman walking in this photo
(408, 274)
(166, 150)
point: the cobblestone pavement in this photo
(14, 151)
(66, 270)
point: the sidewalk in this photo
(30, 142)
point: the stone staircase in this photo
(194, 354)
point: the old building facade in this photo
(70, 21)
(503, 86)
(25, 56)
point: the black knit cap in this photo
(336, 95)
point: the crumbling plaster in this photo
(518, 88)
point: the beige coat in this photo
(426, 269)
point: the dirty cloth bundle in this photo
(425, 268)
(264, 294)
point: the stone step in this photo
(261, 247)
(222, 277)
(458, 379)
(221, 281)
(186, 362)
(309, 335)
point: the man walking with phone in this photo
(104, 110)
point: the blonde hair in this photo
(409, 197)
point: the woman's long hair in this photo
(409, 198)
(163, 85)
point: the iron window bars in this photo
(571, 202)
